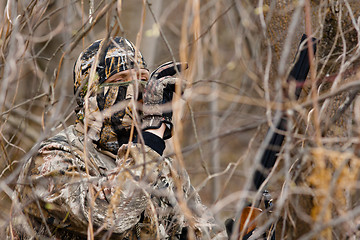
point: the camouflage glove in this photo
(158, 91)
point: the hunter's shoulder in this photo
(59, 149)
(68, 136)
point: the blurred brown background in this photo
(240, 54)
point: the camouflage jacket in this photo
(134, 195)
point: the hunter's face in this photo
(129, 75)
(127, 79)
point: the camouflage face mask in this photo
(118, 55)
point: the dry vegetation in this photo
(240, 54)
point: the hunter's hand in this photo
(158, 95)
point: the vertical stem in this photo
(139, 34)
(91, 11)
(314, 93)
(10, 68)
(82, 22)
(214, 106)
(93, 78)
(184, 38)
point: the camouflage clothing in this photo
(102, 184)
(128, 196)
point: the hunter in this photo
(105, 177)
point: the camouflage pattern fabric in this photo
(131, 195)
(158, 91)
(108, 58)
(119, 55)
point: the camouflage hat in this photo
(119, 55)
